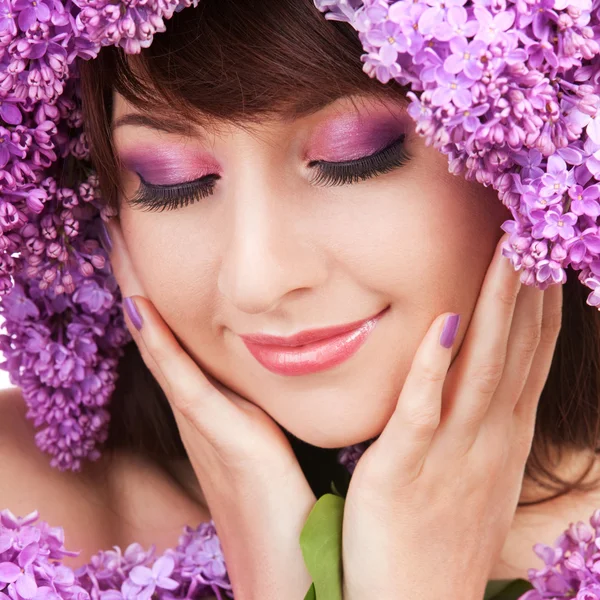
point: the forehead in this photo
(171, 121)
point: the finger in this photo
(185, 385)
(477, 369)
(400, 450)
(523, 344)
(526, 407)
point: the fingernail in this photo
(105, 237)
(450, 330)
(132, 312)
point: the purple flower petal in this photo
(42, 11)
(146, 593)
(163, 567)
(26, 586)
(167, 583)
(26, 18)
(10, 113)
(9, 572)
(28, 554)
(4, 156)
(6, 541)
(141, 575)
(38, 50)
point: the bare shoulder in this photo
(118, 500)
(152, 506)
(543, 522)
(73, 501)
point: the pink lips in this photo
(310, 351)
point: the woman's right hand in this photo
(256, 491)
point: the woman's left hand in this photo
(431, 501)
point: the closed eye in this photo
(152, 197)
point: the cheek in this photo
(425, 242)
(172, 269)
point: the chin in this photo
(341, 432)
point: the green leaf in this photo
(311, 594)
(321, 544)
(506, 589)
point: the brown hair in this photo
(245, 60)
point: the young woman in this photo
(265, 187)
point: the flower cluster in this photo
(31, 555)
(61, 305)
(31, 566)
(572, 567)
(509, 90)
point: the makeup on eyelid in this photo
(351, 137)
(169, 165)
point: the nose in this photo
(269, 253)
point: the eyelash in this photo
(158, 198)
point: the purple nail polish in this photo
(105, 237)
(132, 312)
(450, 330)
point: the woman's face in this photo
(275, 242)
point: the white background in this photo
(4, 382)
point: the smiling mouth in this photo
(315, 356)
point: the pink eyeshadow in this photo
(352, 137)
(169, 165)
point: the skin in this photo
(433, 458)
(273, 252)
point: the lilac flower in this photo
(201, 560)
(388, 37)
(338, 10)
(492, 26)
(530, 162)
(21, 575)
(8, 148)
(27, 555)
(436, 13)
(452, 88)
(457, 26)
(10, 112)
(469, 117)
(540, 52)
(543, 15)
(7, 18)
(465, 57)
(31, 567)
(550, 269)
(585, 201)
(31, 11)
(570, 567)
(559, 224)
(143, 581)
(408, 18)
(585, 244)
(350, 455)
(556, 179)
(593, 299)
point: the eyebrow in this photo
(166, 124)
(185, 128)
